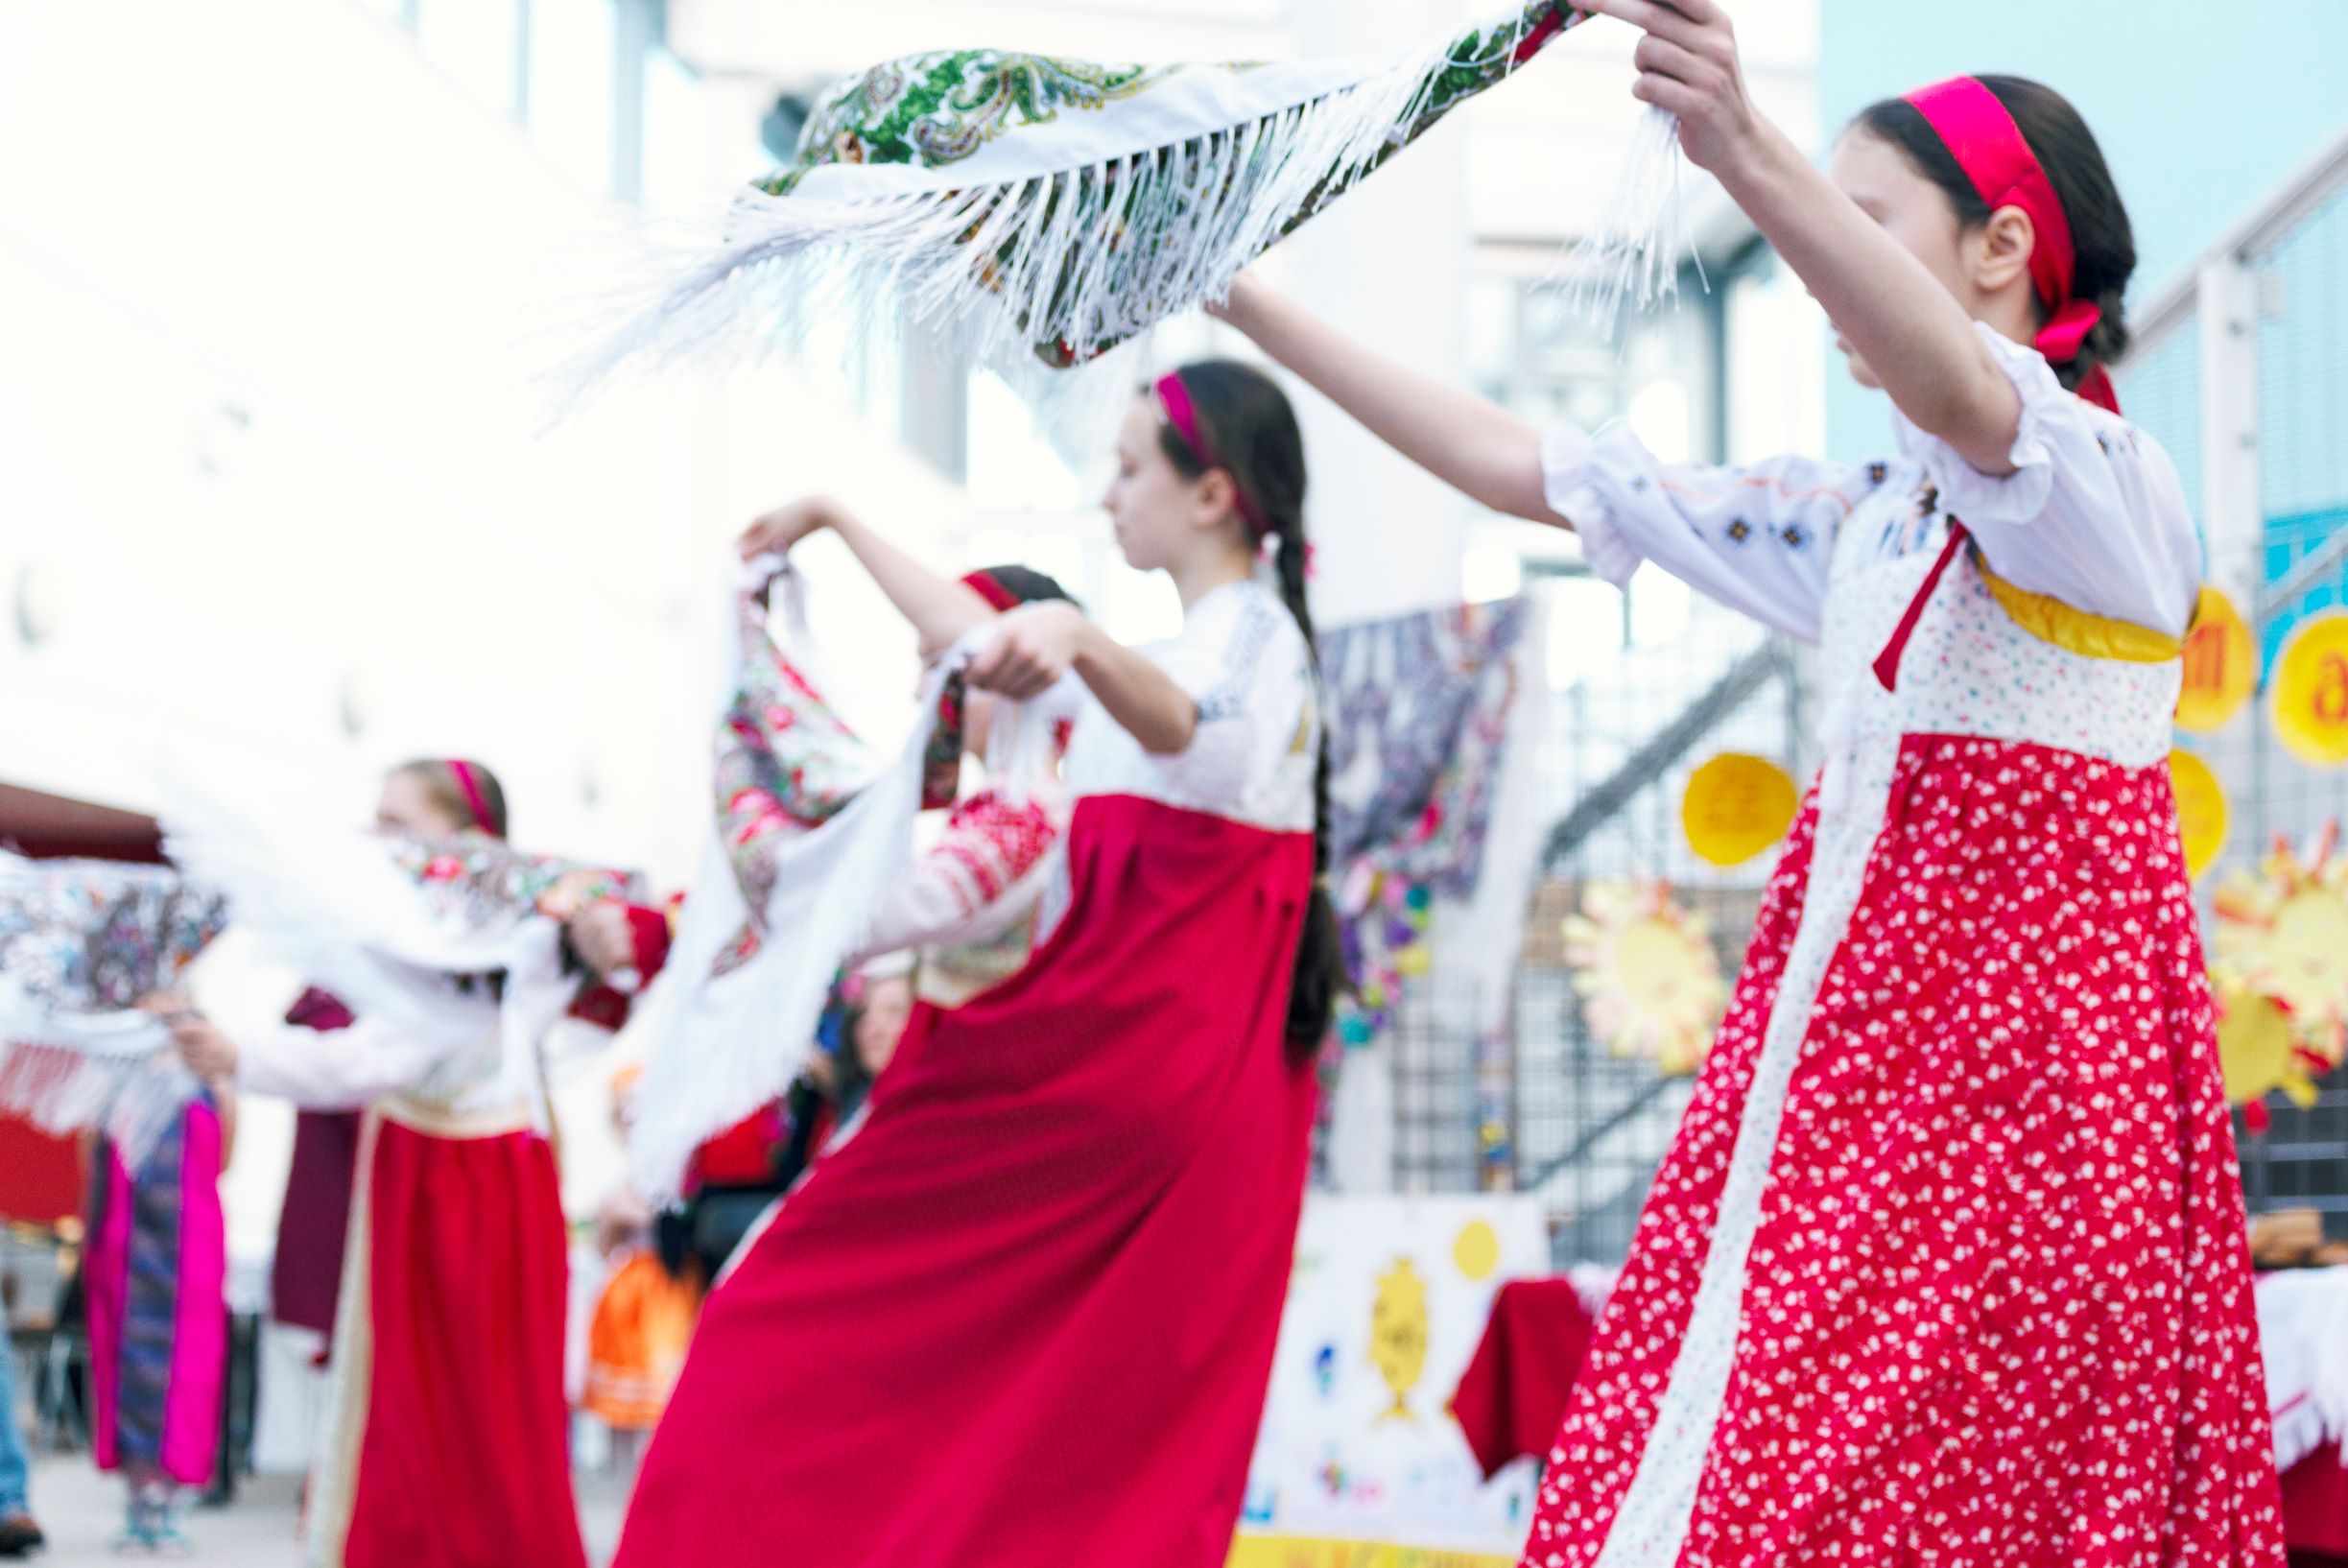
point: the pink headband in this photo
(1990, 148)
(1174, 401)
(468, 780)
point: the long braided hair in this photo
(1250, 428)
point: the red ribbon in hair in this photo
(1990, 148)
(468, 783)
(987, 588)
(1175, 402)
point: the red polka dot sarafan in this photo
(1947, 1264)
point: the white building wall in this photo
(279, 494)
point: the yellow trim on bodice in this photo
(439, 1120)
(2077, 630)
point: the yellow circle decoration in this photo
(1645, 968)
(1477, 1250)
(2201, 811)
(2310, 691)
(1736, 806)
(2220, 665)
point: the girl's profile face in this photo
(408, 810)
(1912, 209)
(1152, 507)
(888, 1002)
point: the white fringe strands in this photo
(1079, 244)
(80, 939)
(1632, 255)
(113, 1074)
(718, 1046)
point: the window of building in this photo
(478, 43)
(574, 48)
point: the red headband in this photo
(1990, 149)
(985, 586)
(1174, 401)
(468, 780)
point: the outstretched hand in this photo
(1688, 64)
(209, 1054)
(603, 935)
(777, 531)
(1034, 646)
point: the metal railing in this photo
(2241, 371)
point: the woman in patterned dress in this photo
(155, 1283)
(1026, 1313)
(1947, 1263)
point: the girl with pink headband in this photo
(1947, 1263)
(975, 1332)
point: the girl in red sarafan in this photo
(1026, 1313)
(1947, 1264)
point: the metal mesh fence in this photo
(1584, 1126)
(1591, 1127)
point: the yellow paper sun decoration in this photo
(2283, 936)
(2256, 1050)
(1646, 970)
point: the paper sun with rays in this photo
(1649, 976)
(2282, 933)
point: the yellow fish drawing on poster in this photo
(1398, 1335)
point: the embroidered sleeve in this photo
(1757, 539)
(981, 876)
(2092, 513)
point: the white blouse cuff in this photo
(1569, 484)
(2023, 495)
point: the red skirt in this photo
(447, 1430)
(1026, 1313)
(1997, 1310)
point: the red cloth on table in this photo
(1514, 1393)
(1030, 1304)
(2315, 1509)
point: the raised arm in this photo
(1469, 443)
(1756, 538)
(1039, 643)
(1903, 321)
(939, 608)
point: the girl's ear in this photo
(1218, 495)
(2000, 249)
